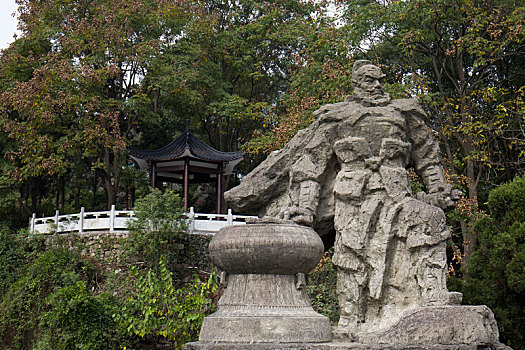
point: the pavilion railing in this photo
(116, 220)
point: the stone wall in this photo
(97, 244)
(109, 246)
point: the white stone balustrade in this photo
(116, 220)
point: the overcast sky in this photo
(7, 22)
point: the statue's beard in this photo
(371, 98)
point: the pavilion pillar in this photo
(186, 186)
(218, 206)
(153, 175)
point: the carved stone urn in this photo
(265, 297)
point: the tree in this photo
(320, 74)
(70, 84)
(496, 272)
(231, 68)
(157, 229)
(463, 58)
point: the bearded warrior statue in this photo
(347, 172)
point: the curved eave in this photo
(222, 157)
(186, 145)
(227, 169)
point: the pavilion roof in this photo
(186, 144)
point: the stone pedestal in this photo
(265, 306)
(441, 325)
(338, 346)
(265, 298)
(429, 328)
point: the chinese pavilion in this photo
(187, 160)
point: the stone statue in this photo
(348, 171)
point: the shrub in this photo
(12, 257)
(322, 288)
(496, 272)
(156, 309)
(157, 229)
(24, 301)
(76, 319)
(51, 304)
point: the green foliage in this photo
(157, 229)
(54, 298)
(155, 308)
(321, 288)
(507, 203)
(32, 308)
(496, 273)
(76, 319)
(12, 258)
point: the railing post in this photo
(81, 221)
(32, 223)
(56, 219)
(230, 217)
(191, 218)
(112, 219)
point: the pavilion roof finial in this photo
(187, 133)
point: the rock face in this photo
(348, 172)
(265, 298)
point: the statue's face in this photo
(369, 85)
(372, 83)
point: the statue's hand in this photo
(444, 196)
(298, 215)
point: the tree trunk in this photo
(57, 199)
(469, 236)
(32, 190)
(95, 183)
(111, 179)
(62, 192)
(110, 192)
(24, 195)
(77, 195)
